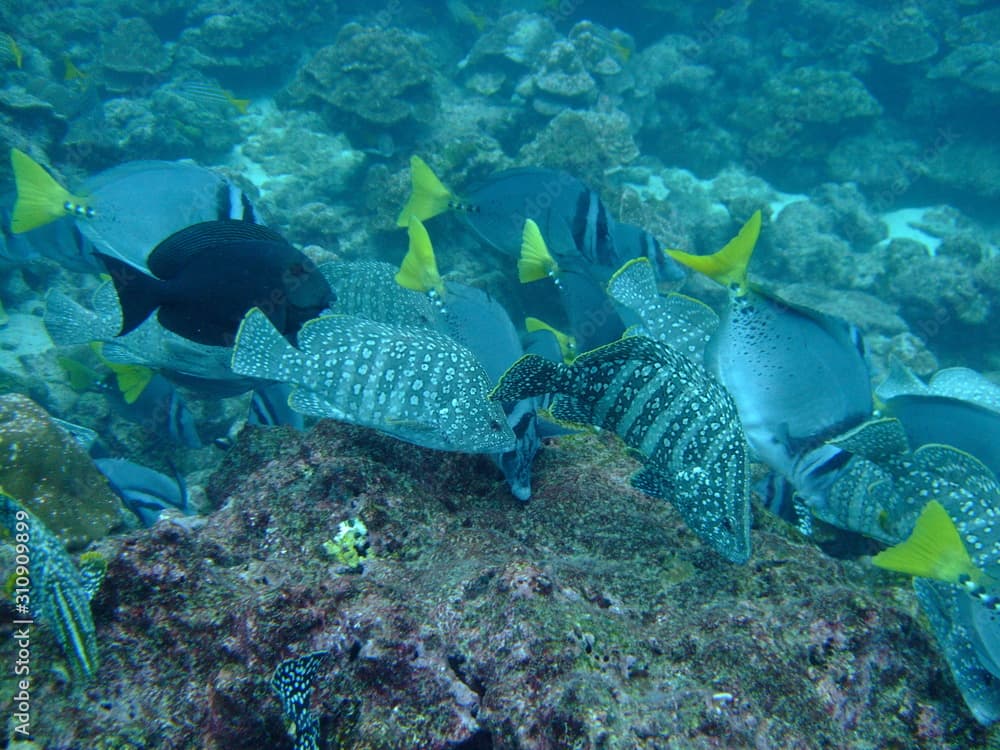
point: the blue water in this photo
(864, 132)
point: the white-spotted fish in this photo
(127, 210)
(798, 377)
(293, 681)
(679, 321)
(60, 592)
(368, 289)
(412, 383)
(672, 413)
(201, 367)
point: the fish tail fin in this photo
(260, 350)
(728, 266)
(40, 199)
(536, 262)
(240, 104)
(81, 378)
(138, 294)
(69, 323)
(419, 270)
(428, 195)
(567, 344)
(933, 550)
(131, 379)
(633, 282)
(531, 375)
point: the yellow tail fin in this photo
(419, 269)
(240, 104)
(132, 379)
(535, 262)
(40, 199)
(729, 265)
(567, 344)
(933, 550)
(428, 196)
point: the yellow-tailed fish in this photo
(71, 72)
(428, 197)
(567, 344)
(935, 550)
(536, 262)
(419, 269)
(204, 91)
(40, 199)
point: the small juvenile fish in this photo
(672, 413)
(412, 383)
(206, 92)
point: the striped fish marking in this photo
(680, 420)
(412, 383)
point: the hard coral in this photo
(45, 468)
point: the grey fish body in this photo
(144, 491)
(414, 384)
(478, 322)
(201, 367)
(139, 204)
(672, 413)
(796, 375)
(959, 407)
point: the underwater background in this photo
(325, 585)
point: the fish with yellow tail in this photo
(419, 270)
(679, 420)
(798, 377)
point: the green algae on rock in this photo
(43, 466)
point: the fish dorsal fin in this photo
(631, 348)
(567, 344)
(177, 250)
(728, 266)
(419, 270)
(875, 440)
(933, 550)
(428, 195)
(901, 381)
(40, 199)
(634, 282)
(536, 262)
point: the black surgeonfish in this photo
(207, 276)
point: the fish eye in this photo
(494, 425)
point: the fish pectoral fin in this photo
(569, 410)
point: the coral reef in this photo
(52, 475)
(590, 617)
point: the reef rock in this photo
(133, 47)
(584, 143)
(51, 474)
(381, 76)
(589, 617)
